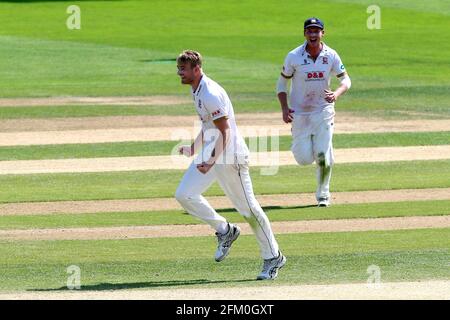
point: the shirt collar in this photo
(200, 85)
(322, 52)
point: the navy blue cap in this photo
(313, 22)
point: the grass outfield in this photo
(262, 103)
(148, 263)
(128, 47)
(153, 148)
(116, 219)
(48, 112)
(163, 183)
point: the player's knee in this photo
(303, 159)
(246, 212)
(182, 196)
(250, 211)
(245, 209)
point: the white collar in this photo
(200, 85)
(322, 52)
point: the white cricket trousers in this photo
(234, 179)
(312, 141)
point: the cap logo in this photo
(313, 20)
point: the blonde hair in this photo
(192, 57)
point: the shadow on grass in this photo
(268, 208)
(149, 284)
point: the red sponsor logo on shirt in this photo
(315, 75)
(215, 113)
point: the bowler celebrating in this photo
(223, 158)
(310, 66)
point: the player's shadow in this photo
(268, 208)
(288, 208)
(148, 284)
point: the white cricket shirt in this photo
(212, 102)
(310, 78)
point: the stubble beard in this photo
(186, 81)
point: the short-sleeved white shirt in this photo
(310, 78)
(212, 102)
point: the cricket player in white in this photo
(310, 67)
(223, 158)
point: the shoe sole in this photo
(237, 234)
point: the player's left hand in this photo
(204, 167)
(185, 150)
(330, 96)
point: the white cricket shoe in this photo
(323, 202)
(271, 267)
(225, 241)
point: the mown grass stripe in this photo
(153, 148)
(275, 213)
(163, 183)
(148, 263)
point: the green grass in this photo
(126, 47)
(65, 151)
(163, 183)
(275, 213)
(46, 112)
(434, 6)
(147, 263)
(154, 148)
(263, 102)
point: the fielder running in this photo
(223, 158)
(310, 67)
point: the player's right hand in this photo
(185, 150)
(287, 115)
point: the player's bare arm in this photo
(220, 145)
(282, 97)
(332, 96)
(189, 151)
